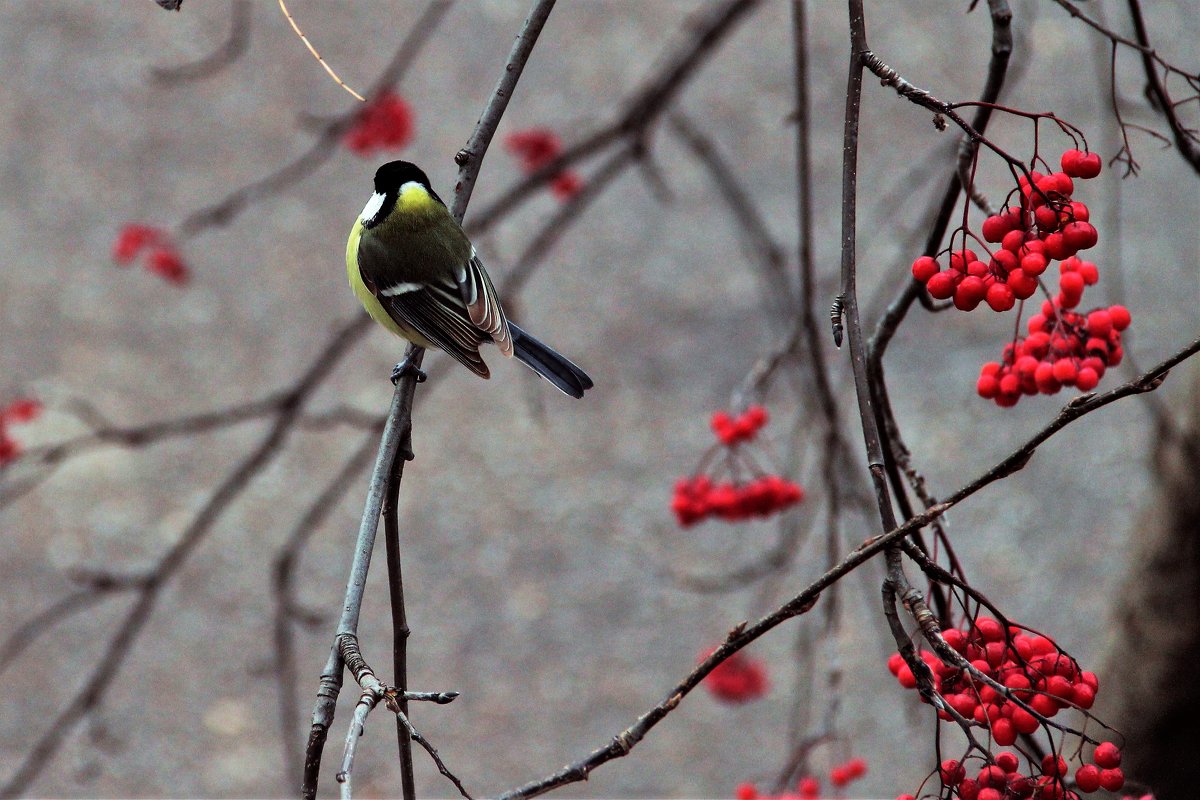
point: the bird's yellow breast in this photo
(369, 301)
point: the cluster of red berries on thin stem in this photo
(536, 147)
(1002, 778)
(808, 787)
(1063, 348)
(700, 496)
(385, 123)
(1041, 677)
(159, 254)
(1045, 225)
(18, 412)
(736, 680)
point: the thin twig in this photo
(317, 55)
(470, 157)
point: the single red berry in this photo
(746, 791)
(1064, 371)
(535, 147)
(1024, 722)
(1071, 284)
(132, 239)
(1058, 246)
(1003, 262)
(1000, 297)
(1034, 264)
(1087, 778)
(1107, 755)
(994, 228)
(1086, 379)
(1013, 241)
(1053, 765)
(1089, 166)
(969, 293)
(1079, 235)
(1007, 761)
(856, 768)
(21, 411)
(952, 772)
(1112, 779)
(1004, 732)
(1023, 284)
(808, 787)
(757, 416)
(1083, 695)
(10, 448)
(941, 286)
(1070, 161)
(1046, 218)
(1057, 182)
(1044, 378)
(989, 794)
(1120, 317)
(566, 184)
(167, 264)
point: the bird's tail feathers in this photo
(551, 365)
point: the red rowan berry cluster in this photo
(1043, 678)
(1046, 225)
(385, 123)
(18, 412)
(1063, 348)
(699, 497)
(737, 679)
(1002, 779)
(161, 256)
(536, 147)
(1046, 679)
(808, 787)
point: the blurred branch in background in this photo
(229, 52)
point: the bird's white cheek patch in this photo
(371, 208)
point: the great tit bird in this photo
(417, 274)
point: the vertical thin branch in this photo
(283, 574)
(470, 158)
(849, 292)
(331, 677)
(400, 629)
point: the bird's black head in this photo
(394, 174)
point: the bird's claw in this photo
(403, 368)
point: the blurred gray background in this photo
(540, 550)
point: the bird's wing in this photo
(435, 311)
(483, 306)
